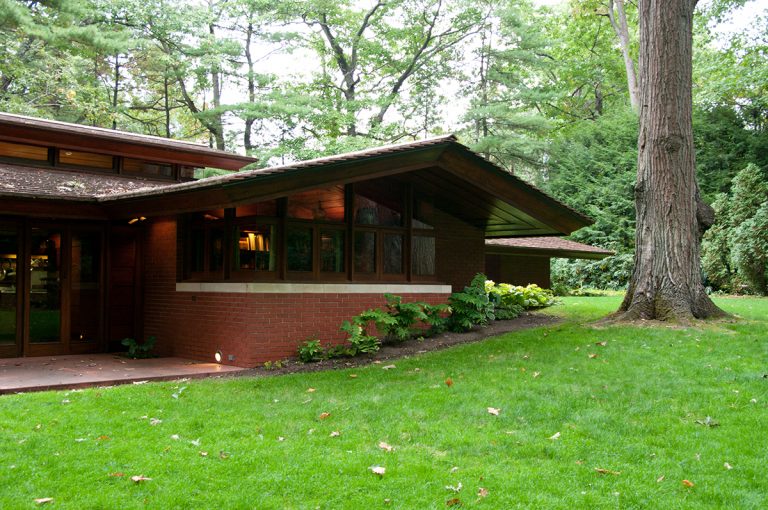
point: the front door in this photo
(63, 291)
(10, 337)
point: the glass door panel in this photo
(45, 286)
(9, 250)
(85, 287)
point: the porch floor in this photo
(80, 371)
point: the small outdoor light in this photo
(217, 356)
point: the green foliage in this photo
(138, 350)
(360, 341)
(405, 316)
(273, 365)
(437, 317)
(511, 300)
(311, 350)
(735, 249)
(471, 307)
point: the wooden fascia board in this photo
(52, 208)
(127, 148)
(268, 187)
(541, 252)
(493, 180)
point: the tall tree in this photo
(671, 218)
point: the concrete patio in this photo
(80, 371)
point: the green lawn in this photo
(633, 409)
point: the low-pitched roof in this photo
(546, 246)
(23, 129)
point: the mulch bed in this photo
(410, 347)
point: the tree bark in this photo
(618, 19)
(666, 283)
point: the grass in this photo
(634, 410)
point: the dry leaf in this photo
(223, 455)
(555, 437)
(660, 479)
(103, 438)
(388, 367)
(139, 479)
(42, 501)
(536, 374)
(727, 466)
(335, 433)
(203, 454)
(117, 474)
(281, 438)
(688, 483)
(482, 492)
(453, 502)
(579, 462)
(324, 416)
(155, 421)
(454, 469)
(601, 344)
(378, 470)
(175, 437)
(449, 382)
(311, 390)
(494, 411)
(607, 472)
(592, 356)
(384, 446)
(457, 488)
(353, 376)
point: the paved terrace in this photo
(81, 371)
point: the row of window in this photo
(370, 232)
(101, 162)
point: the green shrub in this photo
(140, 350)
(311, 350)
(404, 317)
(471, 307)
(436, 317)
(359, 339)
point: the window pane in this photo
(299, 248)
(332, 251)
(137, 166)
(84, 287)
(45, 289)
(8, 258)
(197, 247)
(22, 151)
(268, 208)
(365, 252)
(393, 254)
(326, 204)
(216, 246)
(379, 203)
(423, 256)
(423, 214)
(88, 159)
(255, 248)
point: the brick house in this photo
(106, 235)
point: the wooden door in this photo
(124, 286)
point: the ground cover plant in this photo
(565, 416)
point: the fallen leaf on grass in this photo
(592, 356)
(601, 344)
(281, 438)
(603, 471)
(311, 390)
(708, 422)
(117, 474)
(453, 502)
(386, 447)
(42, 501)
(324, 416)
(727, 466)
(103, 438)
(494, 411)
(178, 393)
(555, 437)
(660, 479)
(335, 433)
(482, 492)
(454, 469)
(175, 437)
(196, 442)
(456, 488)
(139, 479)
(388, 367)
(155, 421)
(449, 382)
(536, 374)
(353, 376)
(223, 455)
(203, 454)
(378, 470)
(688, 483)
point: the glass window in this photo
(365, 252)
(216, 244)
(85, 278)
(423, 256)
(9, 245)
(187, 172)
(255, 248)
(137, 166)
(23, 151)
(299, 248)
(379, 203)
(197, 247)
(393, 254)
(45, 286)
(325, 204)
(423, 214)
(268, 208)
(89, 159)
(332, 251)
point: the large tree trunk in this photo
(666, 282)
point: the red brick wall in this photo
(252, 327)
(518, 269)
(460, 251)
